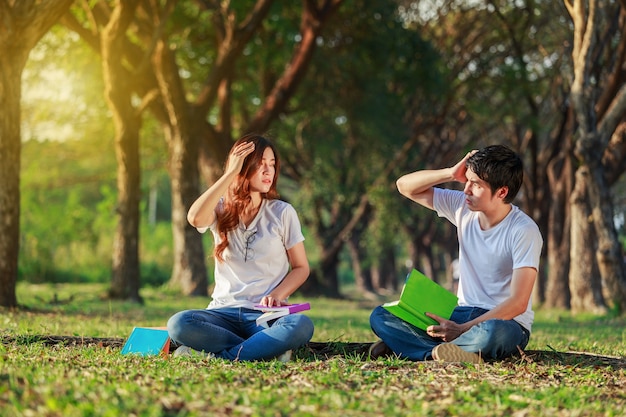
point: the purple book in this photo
(291, 308)
(273, 313)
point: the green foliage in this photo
(374, 74)
(57, 219)
(349, 120)
(68, 215)
(87, 380)
(156, 253)
(194, 34)
(62, 91)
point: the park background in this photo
(117, 114)
(127, 110)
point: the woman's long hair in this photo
(238, 197)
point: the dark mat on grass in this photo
(327, 350)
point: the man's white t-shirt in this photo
(487, 258)
(255, 260)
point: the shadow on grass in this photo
(579, 359)
(353, 350)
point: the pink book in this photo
(291, 308)
(272, 313)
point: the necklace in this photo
(256, 209)
(248, 215)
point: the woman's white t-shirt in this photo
(255, 260)
(487, 258)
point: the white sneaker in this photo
(187, 351)
(285, 357)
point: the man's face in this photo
(478, 193)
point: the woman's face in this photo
(261, 181)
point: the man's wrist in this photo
(465, 327)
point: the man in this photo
(499, 251)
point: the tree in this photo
(506, 62)
(23, 24)
(125, 76)
(217, 95)
(196, 112)
(598, 94)
(348, 118)
(118, 92)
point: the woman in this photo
(260, 259)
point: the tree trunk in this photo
(597, 121)
(125, 280)
(385, 275)
(23, 24)
(324, 280)
(362, 277)
(584, 277)
(189, 272)
(11, 67)
(609, 255)
(422, 249)
(557, 293)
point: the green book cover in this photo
(421, 295)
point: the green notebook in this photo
(420, 295)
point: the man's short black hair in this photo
(499, 167)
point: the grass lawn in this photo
(572, 367)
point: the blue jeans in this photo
(232, 333)
(493, 339)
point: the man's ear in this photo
(502, 192)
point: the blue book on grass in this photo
(146, 341)
(421, 295)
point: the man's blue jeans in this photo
(493, 339)
(232, 333)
